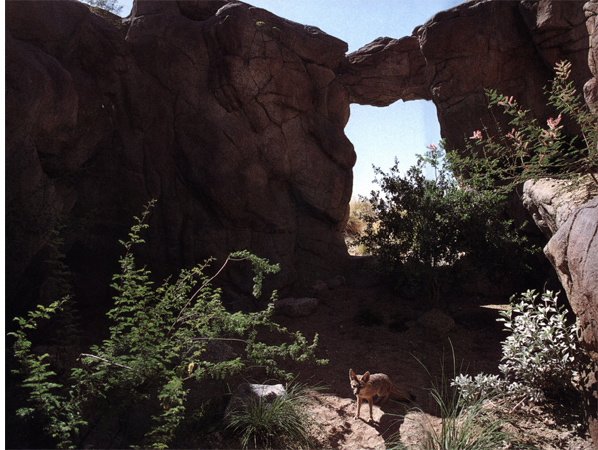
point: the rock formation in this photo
(233, 118)
(508, 46)
(229, 116)
(573, 251)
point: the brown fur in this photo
(368, 386)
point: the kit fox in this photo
(368, 386)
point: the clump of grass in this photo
(470, 427)
(463, 425)
(281, 423)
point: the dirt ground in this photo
(367, 327)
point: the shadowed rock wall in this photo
(226, 114)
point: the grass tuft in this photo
(281, 423)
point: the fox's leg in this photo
(371, 402)
(359, 400)
(384, 399)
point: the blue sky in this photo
(400, 130)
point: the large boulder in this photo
(508, 46)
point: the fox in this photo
(368, 386)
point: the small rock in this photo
(296, 307)
(319, 287)
(436, 320)
(246, 392)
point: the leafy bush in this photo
(155, 353)
(529, 150)
(434, 230)
(281, 423)
(540, 356)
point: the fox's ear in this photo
(352, 374)
(366, 376)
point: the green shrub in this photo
(281, 423)
(154, 354)
(540, 356)
(431, 231)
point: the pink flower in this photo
(553, 123)
(508, 101)
(432, 147)
(476, 135)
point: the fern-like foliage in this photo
(155, 352)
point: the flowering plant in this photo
(530, 149)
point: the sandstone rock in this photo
(551, 202)
(318, 288)
(591, 86)
(296, 307)
(573, 251)
(482, 52)
(385, 71)
(229, 116)
(233, 119)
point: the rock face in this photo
(573, 251)
(232, 118)
(229, 116)
(296, 307)
(551, 202)
(591, 86)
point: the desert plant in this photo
(529, 150)
(154, 352)
(280, 423)
(462, 426)
(433, 230)
(540, 356)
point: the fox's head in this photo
(358, 382)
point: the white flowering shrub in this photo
(540, 356)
